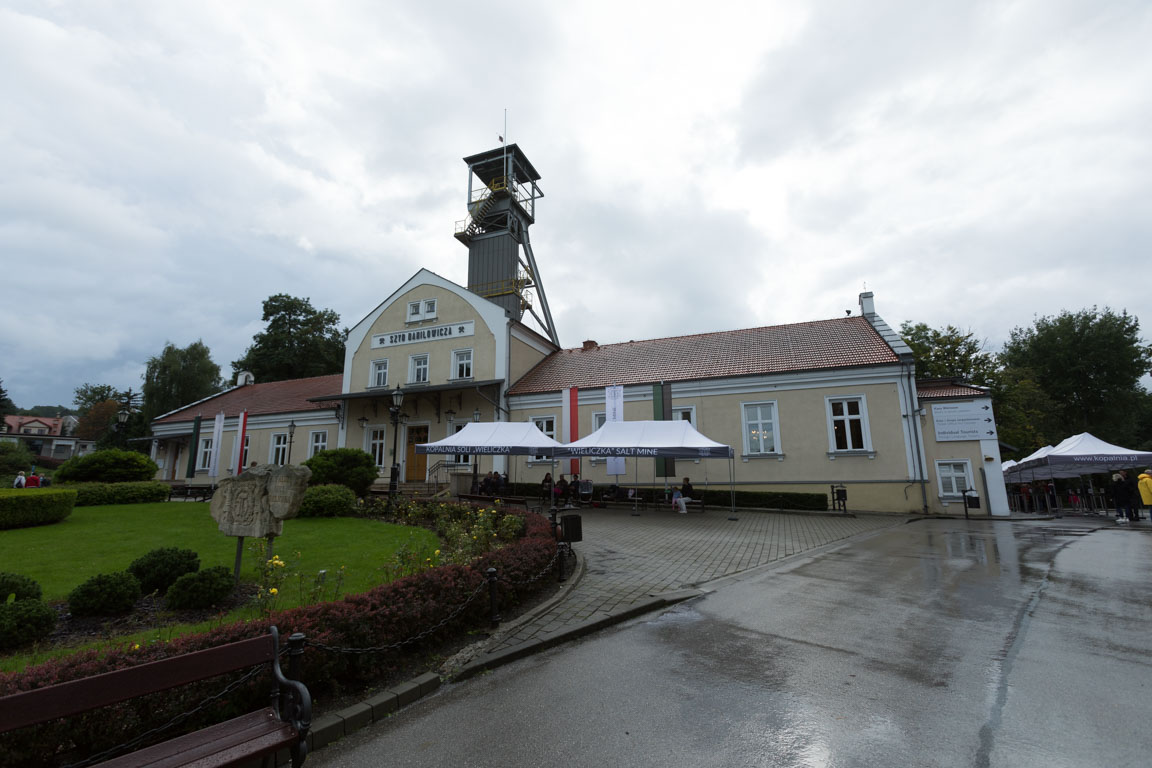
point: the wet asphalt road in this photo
(938, 643)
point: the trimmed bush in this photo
(200, 590)
(328, 501)
(22, 587)
(159, 569)
(110, 465)
(350, 467)
(100, 494)
(14, 457)
(27, 507)
(23, 622)
(107, 594)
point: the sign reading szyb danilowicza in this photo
(427, 333)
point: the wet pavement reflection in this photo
(938, 643)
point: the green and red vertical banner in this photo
(662, 411)
(570, 418)
(193, 447)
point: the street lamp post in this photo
(291, 436)
(394, 478)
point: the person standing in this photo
(1124, 492)
(1144, 483)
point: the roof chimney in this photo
(589, 345)
(245, 378)
(867, 305)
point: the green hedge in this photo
(328, 501)
(27, 507)
(110, 465)
(98, 494)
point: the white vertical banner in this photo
(217, 437)
(614, 411)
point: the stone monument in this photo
(258, 501)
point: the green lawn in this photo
(96, 540)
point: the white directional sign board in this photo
(972, 420)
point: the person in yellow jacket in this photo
(1145, 483)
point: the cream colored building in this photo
(808, 407)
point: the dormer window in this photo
(425, 309)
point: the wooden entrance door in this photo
(416, 464)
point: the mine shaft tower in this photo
(501, 265)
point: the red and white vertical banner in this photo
(570, 418)
(241, 433)
(614, 411)
(217, 438)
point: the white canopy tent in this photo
(651, 439)
(1082, 454)
(495, 438)
(656, 439)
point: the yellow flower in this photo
(273, 591)
(136, 647)
(437, 552)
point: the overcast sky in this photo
(165, 167)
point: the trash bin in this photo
(570, 528)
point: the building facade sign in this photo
(427, 333)
(971, 420)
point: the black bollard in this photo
(493, 598)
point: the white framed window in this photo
(379, 376)
(418, 369)
(317, 442)
(278, 455)
(378, 446)
(462, 364)
(954, 477)
(205, 458)
(598, 420)
(686, 413)
(415, 311)
(429, 309)
(761, 428)
(547, 425)
(848, 424)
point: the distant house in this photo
(50, 436)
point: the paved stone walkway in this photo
(629, 558)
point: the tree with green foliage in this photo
(179, 376)
(89, 395)
(948, 353)
(298, 341)
(349, 467)
(6, 404)
(51, 411)
(1089, 363)
(14, 457)
(97, 420)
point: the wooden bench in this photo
(194, 492)
(283, 726)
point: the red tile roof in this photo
(16, 424)
(271, 397)
(841, 343)
(935, 389)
